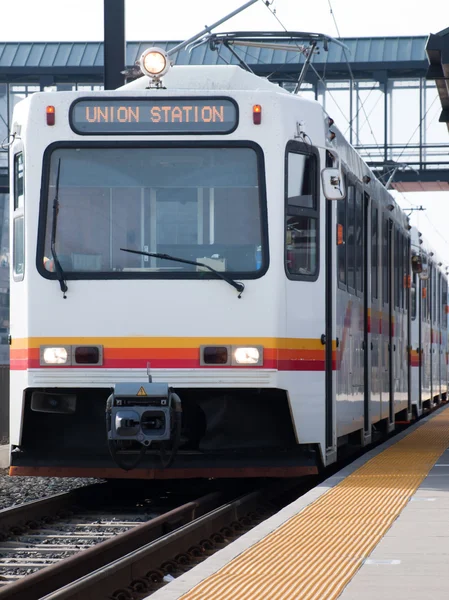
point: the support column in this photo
(114, 43)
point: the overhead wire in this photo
(416, 128)
(362, 107)
(323, 81)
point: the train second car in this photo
(207, 281)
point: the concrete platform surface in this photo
(409, 562)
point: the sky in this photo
(82, 20)
(53, 20)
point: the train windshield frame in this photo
(199, 201)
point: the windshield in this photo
(202, 204)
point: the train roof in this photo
(210, 78)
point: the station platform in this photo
(377, 529)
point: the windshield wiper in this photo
(58, 268)
(238, 285)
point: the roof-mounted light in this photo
(154, 62)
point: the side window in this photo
(432, 294)
(301, 212)
(341, 241)
(413, 295)
(439, 299)
(397, 262)
(424, 299)
(374, 252)
(385, 262)
(18, 181)
(359, 241)
(351, 237)
(406, 264)
(18, 219)
(444, 304)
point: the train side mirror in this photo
(416, 264)
(420, 266)
(333, 184)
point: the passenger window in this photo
(397, 254)
(299, 180)
(413, 296)
(18, 259)
(359, 250)
(386, 262)
(301, 241)
(18, 181)
(351, 237)
(444, 304)
(374, 252)
(424, 299)
(341, 240)
(406, 271)
(19, 249)
(433, 285)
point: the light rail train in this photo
(208, 281)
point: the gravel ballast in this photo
(17, 490)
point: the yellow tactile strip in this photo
(315, 554)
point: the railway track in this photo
(96, 542)
(115, 542)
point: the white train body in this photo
(324, 315)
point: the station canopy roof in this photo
(403, 55)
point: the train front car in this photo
(166, 307)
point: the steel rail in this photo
(25, 515)
(134, 573)
(51, 578)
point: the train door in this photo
(366, 248)
(438, 334)
(444, 308)
(425, 346)
(433, 334)
(343, 309)
(419, 318)
(408, 316)
(306, 288)
(415, 343)
(387, 322)
(351, 311)
(374, 319)
(401, 324)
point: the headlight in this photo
(154, 62)
(55, 355)
(249, 355)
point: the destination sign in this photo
(157, 116)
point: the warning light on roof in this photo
(257, 114)
(50, 115)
